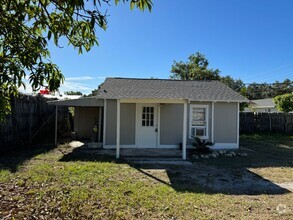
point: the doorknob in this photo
(156, 130)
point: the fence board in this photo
(266, 122)
(29, 113)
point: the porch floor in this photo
(135, 153)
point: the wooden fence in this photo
(266, 122)
(32, 121)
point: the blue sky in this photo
(250, 40)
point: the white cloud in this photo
(80, 83)
(83, 78)
(76, 86)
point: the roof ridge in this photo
(180, 80)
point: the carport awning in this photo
(90, 102)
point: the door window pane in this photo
(147, 116)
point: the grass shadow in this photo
(262, 150)
(12, 159)
(88, 155)
(194, 178)
(211, 180)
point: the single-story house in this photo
(261, 105)
(159, 113)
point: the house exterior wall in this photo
(127, 123)
(84, 120)
(225, 130)
(171, 123)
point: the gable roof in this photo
(261, 103)
(132, 88)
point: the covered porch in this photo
(136, 155)
(88, 118)
(153, 122)
(149, 129)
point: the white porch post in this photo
(56, 124)
(104, 122)
(184, 131)
(159, 126)
(118, 131)
(238, 122)
(100, 124)
(213, 121)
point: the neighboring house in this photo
(159, 113)
(261, 105)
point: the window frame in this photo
(206, 107)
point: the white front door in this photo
(146, 125)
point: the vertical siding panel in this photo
(111, 122)
(225, 122)
(127, 123)
(171, 124)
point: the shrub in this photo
(284, 102)
(202, 146)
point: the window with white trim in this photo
(199, 121)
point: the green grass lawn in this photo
(48, 184)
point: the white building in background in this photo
(261, 105)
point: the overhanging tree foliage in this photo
(26, 26)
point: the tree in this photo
(284, 102)
(265, 90)
(26, 26)
(236, 85)
(94, 92)
(72, 93)
(196, 68)
(253, 91)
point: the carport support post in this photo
(118, 131)
(56, 123)
(184, 131)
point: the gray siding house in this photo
(159, 113)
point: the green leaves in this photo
(27, 25)
(196, 68)
(284, 102)
(140, 4)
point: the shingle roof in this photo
(126, 88)
(264, 103)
